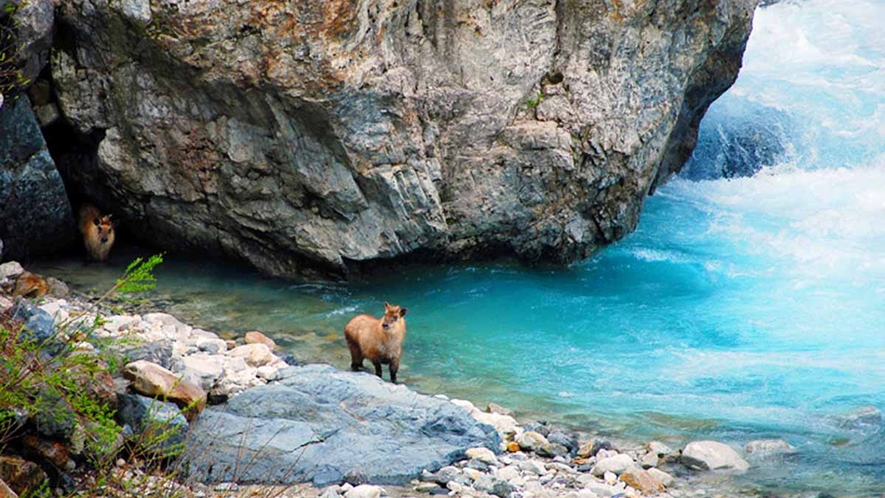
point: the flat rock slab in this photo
(319, 424)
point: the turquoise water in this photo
(740, 308)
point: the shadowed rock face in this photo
(325, 132)
(320, 424)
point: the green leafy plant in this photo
(58, 382)
(534, 100)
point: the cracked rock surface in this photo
(322, 425)
(322, 133)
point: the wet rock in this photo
(649, 459)
(864, 418)
(569, 441)
(159, 427)
(256, 337)
(153, 380)
(761, 447)
(500, 410)
(665, 478)
(591, 449)
(658, 448)
(540, 427)
(641, 480)
(352, 144)
(617, 464)
(256, 355)
(21, 475)
(712, 455)
(35, 214)
(341, 421)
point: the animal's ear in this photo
(386, 306)
(96, 221)
(402, 311)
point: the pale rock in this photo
(609, 478)
(473, 474)
(118, 323)
(533, 467)
(665, 478)
(531, 440)
(658, 448)
(256, 337)
(10, 270)
(508, 473)
(256, 355)
(484, 455)
(364, 491)
(203, 369)
(267, 372)
(153, 380)
(55, 310)
(500, 410)
(649, 459)
(642, 481)
(617, 464)
(592, 484)
(712, 455)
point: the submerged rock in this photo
(318, 424)
(712, 455)
(761, 447)
(330, 133)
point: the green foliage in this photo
(533, 101)
(11, 78)
(139, 275)
(71, 388)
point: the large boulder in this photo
(325, 133)
(35, 214)
(319, 424)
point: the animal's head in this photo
(393, 315)
(104, 227)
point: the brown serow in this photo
(378, 339)
(98, 232)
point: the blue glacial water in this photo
(750, 301)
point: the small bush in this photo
(62, 387)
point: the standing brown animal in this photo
(378, 339)
(98, 232)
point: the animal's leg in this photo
(356, 356)
(394, 366)
(377, 368)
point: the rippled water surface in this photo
(742, 307)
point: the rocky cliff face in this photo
(322, 133)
